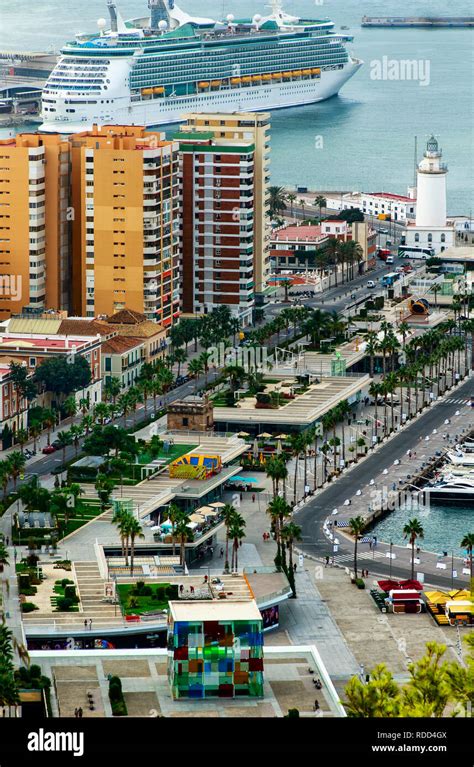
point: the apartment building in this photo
(218, 231)
(255, 128)
(13, 407)
(125, 188)
(34, 228)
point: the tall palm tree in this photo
(64, 438)
(371, 347)
(35, 431)
(291, 199)
(22, 438)
(228, 513)
(468, 544)
(357, 526)
(277, 200)
(278, 510)
(290, 533)
(297, 446)
(413, 530)
(275, 469)
(184, 534)
(134, 530)
(16, 462)
(320, 201)
(236, 533)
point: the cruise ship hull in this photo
(164, 111)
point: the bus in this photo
(406, 251)
(390, 278)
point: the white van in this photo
(370, 284)
(389, 260)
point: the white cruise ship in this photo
(151, 71)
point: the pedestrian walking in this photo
(76, 713)
(222, 552)
(241, 496)
(7, 540)
(253, 497)
(294, 567)
(85, 623)
(327, 560)
(370, 545)
(90, 624)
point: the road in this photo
(312, 516)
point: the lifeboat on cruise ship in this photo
(235, 80)
(147, 91)
(215, 83)
(287, 75)
(306, 72)
(203, 85)
(316, 71)
(256, 78)
(247, 79)
(297, 73)
(266, 77)
(276, 76)
(159, 90)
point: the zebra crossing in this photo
(456, 401)
(363, 556)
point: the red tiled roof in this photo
(119, 345)
(84, 328)
(126, 317)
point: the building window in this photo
(417, 237)
(185, 421)
(443, 238)
(430, 238)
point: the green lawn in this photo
(84, 511)
(144, 603)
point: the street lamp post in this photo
(390, 571)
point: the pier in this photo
(418, 21)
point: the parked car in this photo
(56, 444)
(48, 449)
(370, 284)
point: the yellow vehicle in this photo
(384, 216)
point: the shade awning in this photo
(217, 505)
(203, 510)
(265, 435)
(243, 434)
(197, 518)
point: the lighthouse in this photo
(431, 187)
(431, 233)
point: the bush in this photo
(160, 593)
(28, 591)
(116, 698)
(70, 593)
(32, 560)
(28, 607)
(172, 591)
(24, 582)
(65, 582)
(35, 671)
(360, 583)
(64, 604)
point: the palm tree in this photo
(278, 510)
(184, 534)
(120, 520)
(35, 431)
(371, 348)
(134, 398)
(228, 513)
(297, 447)
(134, 530)
(277, 200)
(468, 544)
(48, 418)
(64, 438)
(357, 526)
(291, 199)
(101, 412)
(320, 201)
(275, 469)
(286, 285)
(4, 476)
(236, 533)
(302, 204)
(16, 462)
(3, 555)
(84, 403)
(195, 369)
(290, 533)
(69, 407)
(112, 389)
(75, 434)
(413, 530)
(22, 438)
(87, 423)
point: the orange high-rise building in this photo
(126, 242)
(34, 228)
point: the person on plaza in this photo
(294, 567)
(191, 588)
(79, 713)
(75, 713)
(181, 588)
(222, 552)
(90, 624)
(85, 623)
(253, 497)
(316, 705)
(241, 496)
(327, 560)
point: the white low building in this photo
(398, 207)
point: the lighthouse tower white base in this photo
(431, 229)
